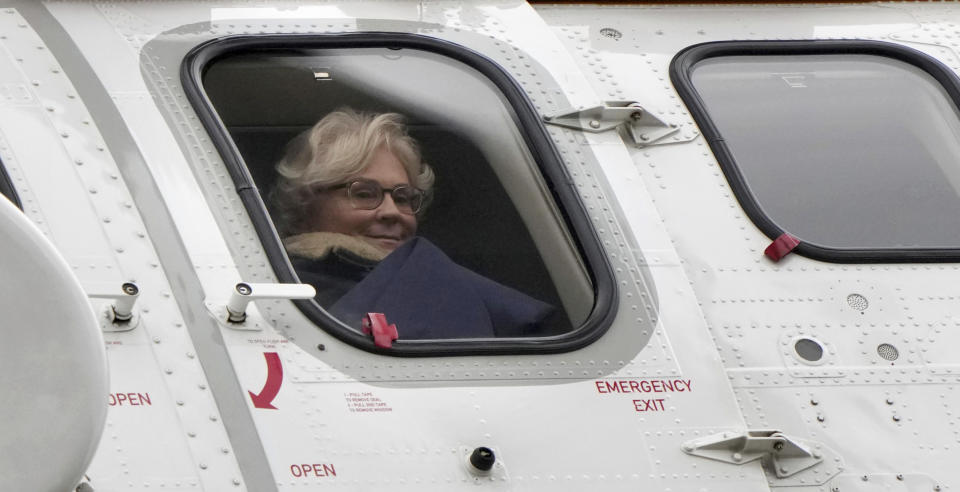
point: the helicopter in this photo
(744, 216)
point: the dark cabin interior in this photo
(266, 99)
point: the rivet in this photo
(814, 402)
(156, 339)
(896, 418)
(203, 466)
(737, 457)
(889, 401)
(899, 477)
(594, 124)
(821, 418)
(864, 478)
(236, 481)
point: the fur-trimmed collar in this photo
(318, 245)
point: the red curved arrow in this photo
(272, 386)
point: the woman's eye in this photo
(364, 194)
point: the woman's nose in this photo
(388, 208)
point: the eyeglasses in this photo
(365, 194)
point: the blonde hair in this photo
(336, 149)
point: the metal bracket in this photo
(641, 126)
(787, 455)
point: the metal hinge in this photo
(786, 455)
(641, 126)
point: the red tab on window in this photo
(383, 334)
(781, 246)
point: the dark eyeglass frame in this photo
(417, 192)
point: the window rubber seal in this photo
(530, 126)
(7, 189)
(680, 74)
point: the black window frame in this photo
(680, 74)
(6, 187)
(535, 135)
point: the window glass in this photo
(840, 150)
(492, 228)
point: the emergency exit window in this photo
(851, 147)
(406, 176)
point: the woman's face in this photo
(384, 227)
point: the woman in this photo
(346, 203)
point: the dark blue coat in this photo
(428, 296)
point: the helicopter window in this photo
(492, 222)
(6, 187)
(852, 147)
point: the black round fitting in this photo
(483, 458)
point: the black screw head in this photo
(483, 458)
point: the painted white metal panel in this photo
(854, 401)
(439, 407)
(162, 423)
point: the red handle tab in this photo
(383, 333)
(781, 246)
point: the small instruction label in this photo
(648, 388)
(365, 402)
(267, 342)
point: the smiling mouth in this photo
(390, 242)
